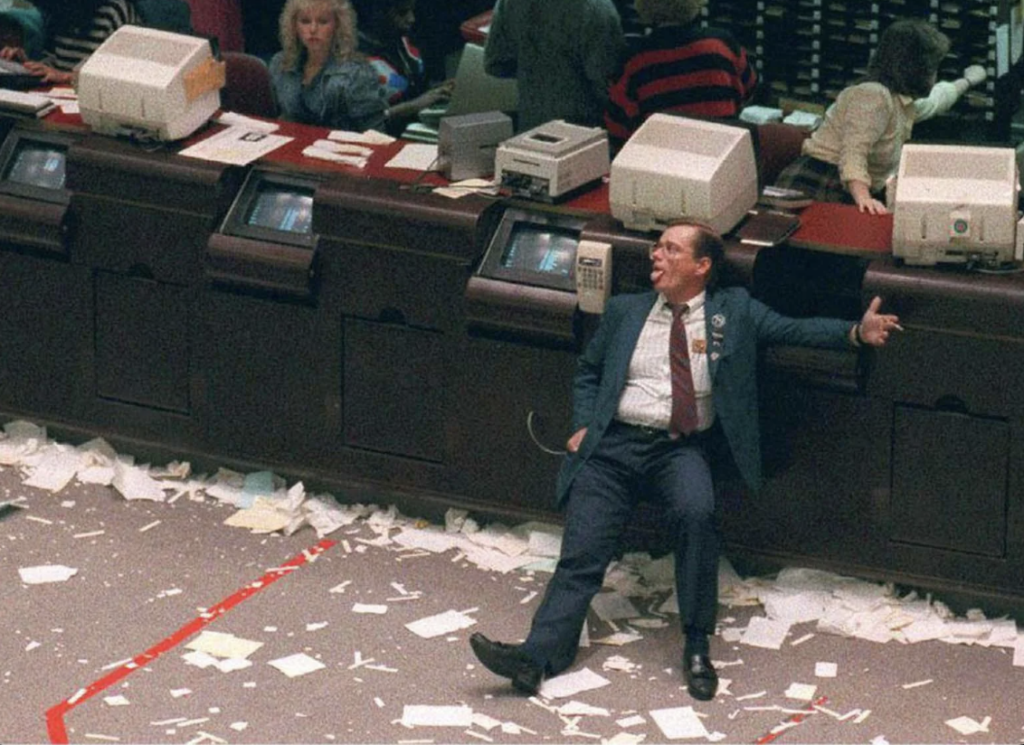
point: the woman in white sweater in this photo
(857, 147)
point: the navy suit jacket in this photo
(736, 326)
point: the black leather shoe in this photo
(701, 678)
(508, 661)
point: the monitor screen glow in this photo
(541, 249)
(39, 164)
(282, 207)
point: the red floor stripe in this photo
(55, 715)
(795, 719)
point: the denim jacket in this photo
(344, 95)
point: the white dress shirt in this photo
(647, 396)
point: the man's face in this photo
(674, 271)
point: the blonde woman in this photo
(318, 76)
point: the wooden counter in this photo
(387, 379)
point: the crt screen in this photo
(541, 249)
(285, 208)
(37, 164)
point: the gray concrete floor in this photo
(137, 591)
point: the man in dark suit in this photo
(668, 374)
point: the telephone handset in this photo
(593, 275)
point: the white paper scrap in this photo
(369, 608)
(679, 723)
(618, 639)
(134, 483)
(236, 145)
(437, 716)
(918, 684)
(297, 664)
(416, 156)
(219, 644)
(234, 119)
(569, 684)
(115, 700)
(826, 669)
(578, 708)
(611, 606)
(440, 624)
(801, 691)
(39, 575)
(967, 726)
(56, 469)
(765, 633)
(634, 721)
(369, 137)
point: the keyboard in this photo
(16, 75)
(10, 67)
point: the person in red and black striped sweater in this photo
(680, 68)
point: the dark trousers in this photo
(630, 464)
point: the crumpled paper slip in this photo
(134, 482)
(21, 440)
(369, 137)
(271, 514)
(326, 515)
(55, 469)
(97, 462)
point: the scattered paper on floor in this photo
(569, 684)
(437, 716)
(39, 575)
(679, 723)
(297, 664)
(440, 624)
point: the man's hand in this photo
(874, 327)
(573, 445)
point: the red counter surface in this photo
(833, 228)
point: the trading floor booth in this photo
(379, 341)
(42, 294)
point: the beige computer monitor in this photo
(674, 167)
(152, 83)
(956, 204)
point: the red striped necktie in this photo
(684, 400)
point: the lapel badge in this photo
(715, 356)
(718, 321)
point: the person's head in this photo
(907, 57)
(685, 260)
(387, 18)
(317, 25)
(67, 16)
(658, 12)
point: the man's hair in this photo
(344, 44)
(669, 11)
(707, 243)
(908, 56)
